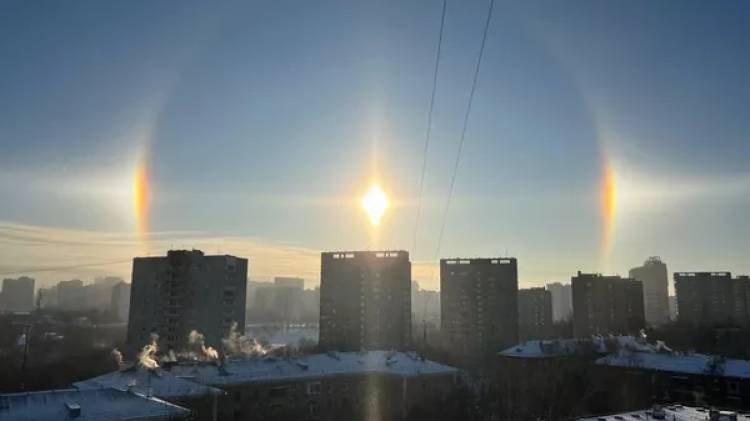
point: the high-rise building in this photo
(479, 306)
(742, 300)
(48, 297)
(425, 305)
(185, 291)
(606, 305)
(18, 294)
(71, 295)
(534, 313)
(274, 303)
(99, 294)
(365, 300)
(674, 314)
(653, 275)
(711, 298)
(562, 301)
(120, 302)
(287, 282)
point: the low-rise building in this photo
(200, 399)
(87, 405)
(662, 375)
(332, 386)
(673, 413)
(336, 385)
(554, 379)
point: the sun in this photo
(375, 203)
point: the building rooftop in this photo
(671, 413)
(260, 370)
(159, 383)
(102, 404)
(570, 347)
(679, 363)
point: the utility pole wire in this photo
(463, 130)
(429, 126)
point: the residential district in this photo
(191, 338)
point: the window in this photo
(277, 392)
(313, 408)
(733, 387)
(313, 388)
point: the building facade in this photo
(71, 295)
(375, 385)
(287, 282)
(742, 300)
(534, 313)
(17, 295)
(562, 301)
(705, 298)
(653, 275)
(185, 291)
(606, 305)
(365, 301)
(479, 306)
(120, 302)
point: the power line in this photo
(57, 268)
(429, 125)
(463, 130)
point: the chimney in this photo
(74, 410)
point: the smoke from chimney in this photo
(197, 338)
(117, 355)
(147, 356)
(236, 344)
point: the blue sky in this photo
(261, 124)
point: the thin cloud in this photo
(52, 254)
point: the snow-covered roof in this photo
(95, 405)
(676, 413)
(159, 383)
(268, 369)
(679, 363)
(568, 347)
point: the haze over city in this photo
(600, 133)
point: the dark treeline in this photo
(62, 348)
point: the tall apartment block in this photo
(71, 295)
(287, 282)
(365, 300)
(120, 301)
(742, 300)
(712, 298)
(479, 306)
(17, 294)
(653, 275)
(562, 301)
(534, 313)
(606, 304)
(185, 290)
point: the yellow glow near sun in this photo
(375, 203)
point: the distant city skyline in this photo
(601, 134)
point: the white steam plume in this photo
(236, 344)
(197, 338)
(117, 355)
(147, 356)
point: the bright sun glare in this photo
(375, 203)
